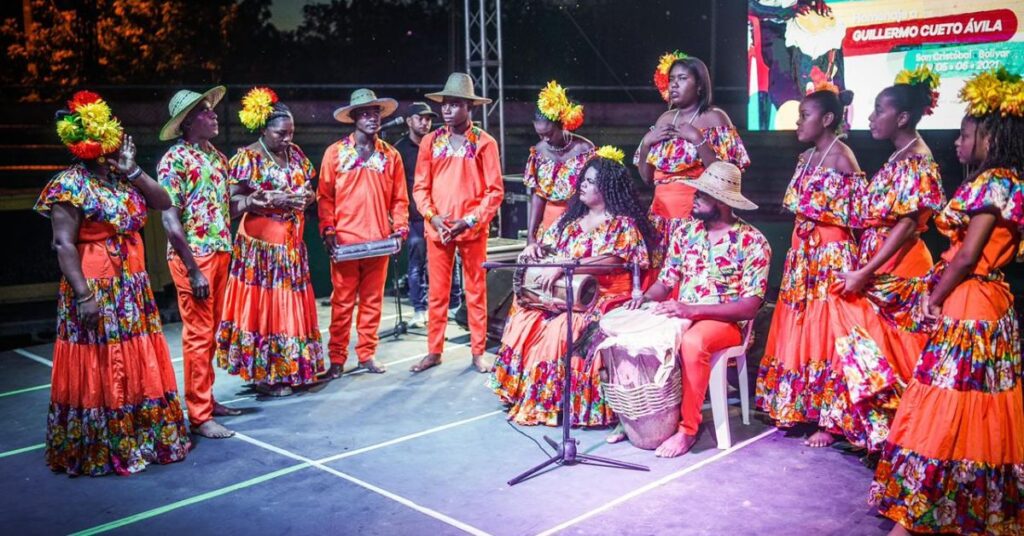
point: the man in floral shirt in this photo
(198, 227)
(720, 265)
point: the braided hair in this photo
(911, 98)
(278, 111)
(831, 102)
(618, 189)
(1005, 141)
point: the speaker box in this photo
(499, 288)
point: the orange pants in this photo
(704, 338)
(362, 280)
(440, 258)
(200, 319)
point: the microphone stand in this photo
(566, 452)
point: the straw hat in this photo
(721, 180)
(459, 86)
(365, 98)
(182, 103)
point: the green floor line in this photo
(23, 449)
(25, 390)
(142, 516)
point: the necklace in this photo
(904, 148)
(693, 117)
(810, 157)
(567, 143)
(287, 160)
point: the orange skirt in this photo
(796, 381)
(954, 459)
(672, 203)
(114, 404)
(270, 333)
(529, 372)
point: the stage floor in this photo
(417, 454)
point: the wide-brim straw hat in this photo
(721, 180)
(459, 86)
(365, 98)
(182, 103)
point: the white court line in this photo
(33, 357)
(319, 464)
(657, 483)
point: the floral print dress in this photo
(114, 403)
(529, 372)
(954, 458)
(269, 333)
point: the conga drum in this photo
(639, 351)
(528, 291)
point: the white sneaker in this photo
(418, 320)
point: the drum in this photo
(528, 291)
(639, 351)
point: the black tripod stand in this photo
(401, 327)
(566, 452)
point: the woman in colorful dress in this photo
(270, 335)
(114, 403)
(604, 224)
(554, 166)
(954, 459)
(880, 294)
(796, 371)
(683, 141)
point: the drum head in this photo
(623, 321)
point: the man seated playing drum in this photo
(604, 226)
(720, 264)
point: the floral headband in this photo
(997, 90)
(90, 130)
(257, 106)
(555, 105)
(922, 75)
(610, 152)
(661, 72)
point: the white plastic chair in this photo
(718, 386)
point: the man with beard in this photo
(720, 264)
(362, 197)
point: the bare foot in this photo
(213, 430)
(482, 364)
(220, 410)
(820, 439)
(617, 435)
(677, 445)
(428, 361)
(372, 367)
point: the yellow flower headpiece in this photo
(611, 153)
(997, 90)
(90, 130)
(923, 74)
(257, 105)
(554, 104)
(661, 72)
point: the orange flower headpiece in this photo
(257, 105)
(661, 72)
(90, 130)
(922, 75)
(554, 104)
(997, 90)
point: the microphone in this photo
(397, 121)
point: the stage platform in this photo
(417, 454)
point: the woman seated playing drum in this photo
(604, 227)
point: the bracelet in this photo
(701, 144)
(91, 295)
(328, 231)
(428, 214)
(134, 174)
(471, 220)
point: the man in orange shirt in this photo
(458, 189)
(362, 197)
